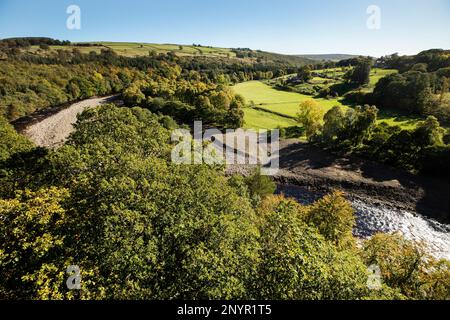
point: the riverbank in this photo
(304, 165)
(385, 199)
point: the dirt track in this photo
(53, 130)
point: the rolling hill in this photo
(43, 46)
(327, 57)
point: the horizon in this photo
(287, 27)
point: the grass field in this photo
(377, 74)
(257, 119)
(132, 49)
(97, 49)
(283, 102)
(287, 104)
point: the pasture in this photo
(273, 100)
(376, 74)
(282, 107)
(258, 119)
(134, 49)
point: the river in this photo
(373, 218)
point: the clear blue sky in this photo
(285, 26)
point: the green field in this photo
(139, 49)
(283, 102)
(257, 119)
(377, 74)
(133, 49)
(287, 103)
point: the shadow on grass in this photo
(388, 114)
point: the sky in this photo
(284, 26)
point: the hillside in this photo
(44, 46)
(327, 57)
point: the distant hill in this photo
(270, 56)
(327, 57)
(42, 45)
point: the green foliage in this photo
(11, 141)
(334, 124)
(420, 88)
(434, 59)
(411, 150)
(260, 186)
(310, 116)
(429, 132)
(360, 74)
(297, 262)
(334, 218)
(30, 82)
(413, 92)
(304, 74)
(27, 87)
(140, 227)
(140, 221)
(435, 283)
(30, 237)
(421, 149)
(348, 130)
(356, 130)
(187, 101)
(405, 265)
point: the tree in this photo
(146, 226)
(133, 95)
(334, 218)
(349, 130)
(31, 236)
(362, 123)
(428, 133)
(298, 263)
(444, 90)
(358, 125)
(304, 74)
(360, 74)
(420, 67)
(410, 92)
(260, 186)
(405, 265)
(310, 116)
(334, 124)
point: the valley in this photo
(88, 174)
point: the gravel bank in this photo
(52, 131)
